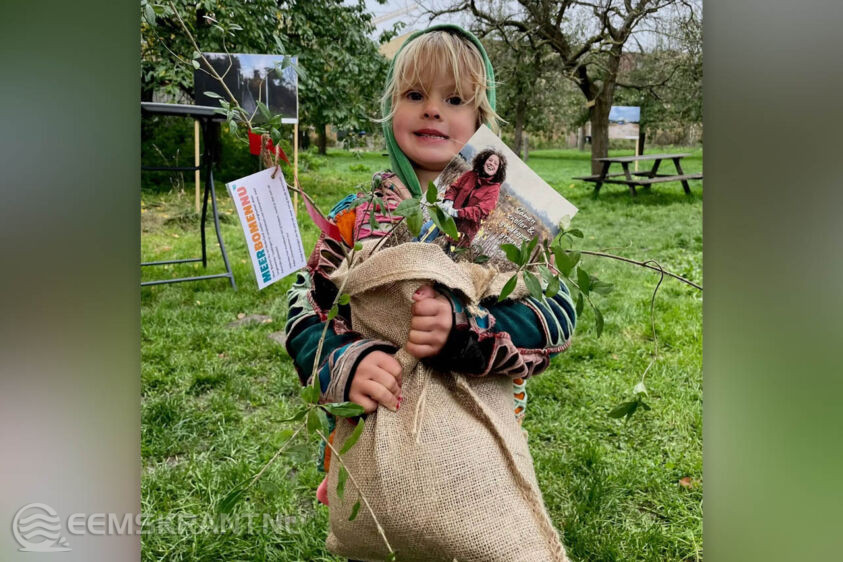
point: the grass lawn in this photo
(213, 395)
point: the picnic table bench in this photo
(645, 178)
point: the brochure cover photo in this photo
(495, 198)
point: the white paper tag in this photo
(269, 224)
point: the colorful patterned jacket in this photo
(514, 339)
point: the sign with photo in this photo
(271, 79)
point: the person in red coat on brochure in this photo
(472, 197)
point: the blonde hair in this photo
(441, 50)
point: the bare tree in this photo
(588, 38)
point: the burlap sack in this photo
(449, 475)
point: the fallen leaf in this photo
(221, 355)
(198, 302)
(241, 315)
(688, 482)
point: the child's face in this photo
(491, 165)
(431, 126)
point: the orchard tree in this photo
(344, 71)
(341, 72)
(665, 79)
(587, 37)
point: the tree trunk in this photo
(322, 143)
(599, 132)
(520, 112)
(603, 99)
(581, 139)
(304, 137)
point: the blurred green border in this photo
(69, 389)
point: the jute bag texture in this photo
(449, 475)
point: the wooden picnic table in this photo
(645, 178)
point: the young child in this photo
(474, 194)
(440, 89)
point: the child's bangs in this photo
(442, 57)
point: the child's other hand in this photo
(431, 323)
(377, 380)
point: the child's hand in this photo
(431, 323)
(377, 380)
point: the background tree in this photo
(341, 72)
(666, 78)
(588, 38)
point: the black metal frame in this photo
(206, 116)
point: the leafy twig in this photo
(338, 457)
(642, 264)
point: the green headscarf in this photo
(401, 165)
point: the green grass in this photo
(213, 396)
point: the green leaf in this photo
(580, 304)
(482, 258)
(545, 273)
(531, 245)
(275, 135)
(432, 194)
(333, 312)
(625, 409)
(341, 478)
(358, 246)
(195, 64)
(533, 285)
(602, 288)
(391, 557)
(575, 232)
(508, 288)
(150, 14)
(644, 405)
(513, 254)
(552, 287)
(264, 110)
(639, 389)
(415, 223)
(354, 510)
(373, 223)
(407, 207)
(284, 435)
(598, 317)
(232, 498)
(565, 261)
(583, 280)
(301, 412)
(344, 409)
(439, 219)
(309, 394)
(345, 298)
(232, 127)
(213, 95)
(317, 420)
(451, 227)
(352, 439)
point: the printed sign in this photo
(269, 224)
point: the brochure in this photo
(495, 198)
